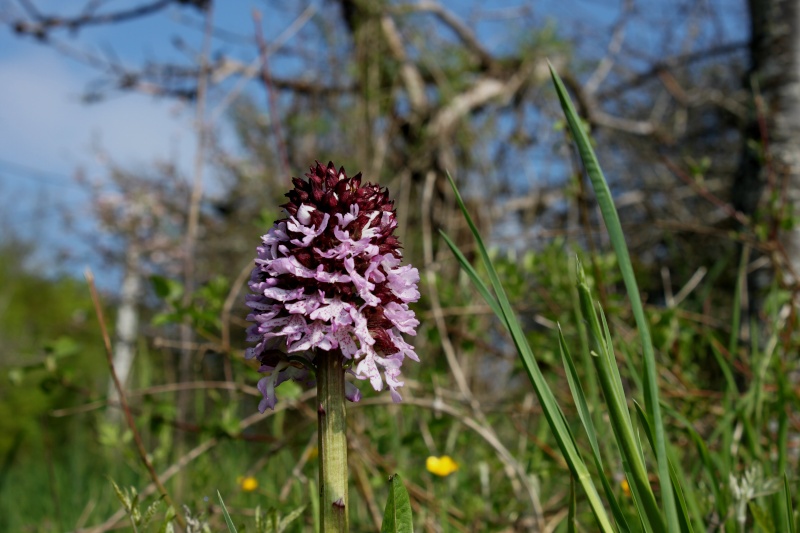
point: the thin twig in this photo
(252, 69)
(44, 23)
(123, 400)
(158, 389)
(274, 118)
(606, 64)
(193, 222)
(412, 79)
(233, 294)
(703, 191)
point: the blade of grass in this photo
(741, 279)
(552, 412)
(228, 521)
(787, 495)
(683, 512)
(724, 366)
(614, 228)
(619, 417)
(593, 398)
(782, 507)
(473, 275)
(588, 425)
(571, 523)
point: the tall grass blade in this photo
(683, 511)
(228, 521)
(609, 212)
(473, 275)
(552, 412)
(741, 280)
(313, 496)
(782, 505)
(624, 433)
(592, 393)
(573, 504)
(787, 495)
(586, 418)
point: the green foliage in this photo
(143, 520)
(48, 360)
(611, 219)
(397, 513)
(203, 310)
(752, 500)
(727, 404)
(555, 417)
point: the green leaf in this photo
(313, 497)
(63, 347)
(586, 418)
(397, 515)
(683, 511)
(228, 521)
(168, 317)
(473, 275)
(571, 523)
(611, 219)
(619, 418)
(552, 411)
(167, 289)
(787, 494)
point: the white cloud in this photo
(45, 125)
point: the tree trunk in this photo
(126, 331)
(771, 155)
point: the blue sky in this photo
(47, 134)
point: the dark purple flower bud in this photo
(329, 277)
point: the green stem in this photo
(332, 443)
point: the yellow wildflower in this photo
(441, 466)
(625, 487)
(247, 484)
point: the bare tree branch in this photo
(464, 33)
(42, 24)
(412, 79)
(668, 64)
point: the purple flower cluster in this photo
(328, 282)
